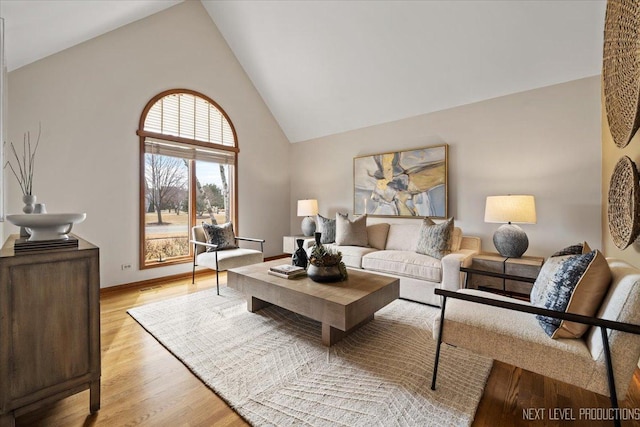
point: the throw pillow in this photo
(544, 280)
(580, 248)
(435, 239)
(456, 236)
(539, 291)
(351, 233)
(377, 235)
(579, 284)
(221, 235)
(456, 239)
(327, 227)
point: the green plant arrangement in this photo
(23, 170)
(322, 256)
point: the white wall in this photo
(544, 142)
(89, 99)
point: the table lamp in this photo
(509, 239)
(308, 208)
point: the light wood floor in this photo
(143, 384)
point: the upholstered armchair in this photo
(220, 257)
(602, 360)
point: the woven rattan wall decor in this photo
(621, 69)
(624, 199)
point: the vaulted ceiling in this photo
(325, 67)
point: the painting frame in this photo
(410, 183)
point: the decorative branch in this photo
(23, 171)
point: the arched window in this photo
(188, 173)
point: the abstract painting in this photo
(402, 183)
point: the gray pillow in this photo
(220, 235)
(351, 233)
(435, 239)
(327, 227)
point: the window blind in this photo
(189, 116)
(186, 151)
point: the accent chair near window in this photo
(218, 257)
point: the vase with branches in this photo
(23, 168)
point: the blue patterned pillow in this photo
(539, 290)
(327, 227)
(220, 235)
(435, 239)
(578, 285)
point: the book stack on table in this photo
(288, 271)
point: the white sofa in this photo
(392, 252)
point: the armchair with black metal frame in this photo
(506, 329)
(207, 254)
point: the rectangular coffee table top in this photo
(340, 305)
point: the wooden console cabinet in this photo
(49, 327)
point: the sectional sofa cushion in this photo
(351, 233)
(578, 285)
(220, 235)
(404, 263)
(402, 237)
(327, 228)
(352, 255)
(435, 239)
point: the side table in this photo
(524, 267)
(289, 245)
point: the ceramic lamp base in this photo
(308, 226)
(510, 241)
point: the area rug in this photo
(271, 367)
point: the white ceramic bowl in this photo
(47, 226)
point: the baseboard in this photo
(151, 282)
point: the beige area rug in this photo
(271, 367)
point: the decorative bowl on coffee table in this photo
(324, 274)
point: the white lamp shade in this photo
(307, 207)
(519, 209)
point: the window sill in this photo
(172, 261)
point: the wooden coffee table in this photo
(341, 307)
